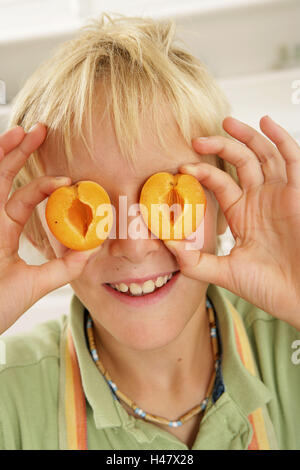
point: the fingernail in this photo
(62, 179)
(202, 139)
(189, 166)
(190, 258)
(89, 253)
(32, 128)
(171, 246)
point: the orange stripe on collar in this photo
(75, 406)
(259, 439)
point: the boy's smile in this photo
(138, 293)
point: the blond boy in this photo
(116, 105)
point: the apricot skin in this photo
(166, 189)
(71, 214)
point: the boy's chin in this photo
(150, 339)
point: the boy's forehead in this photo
(110, 167)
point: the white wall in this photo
(251, 47)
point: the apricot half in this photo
(172, 206)
(80, 216)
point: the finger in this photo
(23, 201)
(247, 166)
(225, 189)
(272, 163)
(198, 265)
(11, 138)
(14, 160)
(287, 146)
(59, 272)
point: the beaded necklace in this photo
(138, 411)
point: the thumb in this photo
(61, 271)
(198, 265)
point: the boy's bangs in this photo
(140, 65)
(132, 97)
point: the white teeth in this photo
(160, 281)
(146, 288)
(122, 287)
(135, 289)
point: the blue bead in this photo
(94, 354)
(113, 385)
(175, 424)
(140, 412)
(203, 404)
(213, 332)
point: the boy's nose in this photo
(135, 251)
(133, 240)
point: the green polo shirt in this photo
(31, 382)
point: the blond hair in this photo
(138, 62)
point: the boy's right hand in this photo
(21, 285)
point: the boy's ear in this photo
(222, 224)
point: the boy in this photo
(203, 361)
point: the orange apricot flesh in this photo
(80, 216)
(164, 190)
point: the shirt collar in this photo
(107, 412)
(246, 390)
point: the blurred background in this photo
(252, 47)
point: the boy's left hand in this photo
(263, 214)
